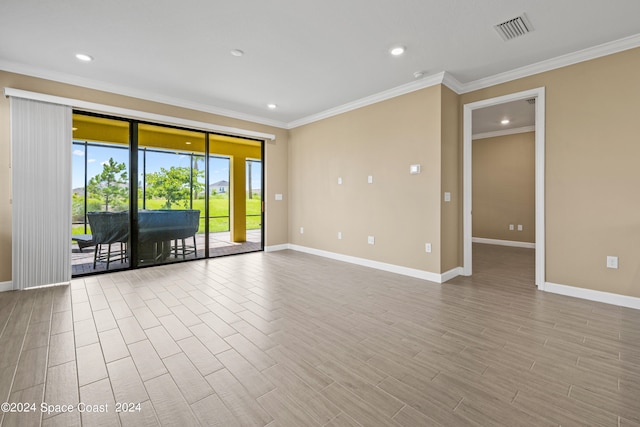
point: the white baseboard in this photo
(448, 275)
(6, 286)
(392, 268)
(590, 294)
(274, 248)
(572, 291)
(503, 242)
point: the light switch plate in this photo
(612, 262)
(370, 179)
(278, 196)
(371, 240)
(447, 196)
(413, 169)
(339, 180)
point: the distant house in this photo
(220, 187)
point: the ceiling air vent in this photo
(513, 28)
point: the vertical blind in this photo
(41, 191)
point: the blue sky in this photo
(98, 155)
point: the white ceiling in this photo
(521, 114)
(306, 57)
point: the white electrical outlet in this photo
(370, 179)
(301, 230)
(511, 227)
(339, 235)
(427, 247)
(519, 227)
(612, 262)
(447, 196)
(339, 180)
(371, 240)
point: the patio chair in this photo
(189, 222)
(107, 229)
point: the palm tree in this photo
(249, 164)
(195, 161)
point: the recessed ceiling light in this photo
(74, 129)
(397, 51)
(272, 106)
(188, 142)
(84, 57)
(237, 52)
(505, 121)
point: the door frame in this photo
(539, 94)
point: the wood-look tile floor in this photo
(290, 339)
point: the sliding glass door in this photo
(195, 194)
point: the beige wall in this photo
(275, 153)
(592, 170)
(402, 211)
(504, 187)
(451, 212)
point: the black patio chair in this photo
(107, 229)
(188, 222)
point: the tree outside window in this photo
(174, 185)
(111, 185)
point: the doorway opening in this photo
(538, 97)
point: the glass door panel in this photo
(235, 200)
(171, 194)
(100, 194)
(219, 167)
(254, 203)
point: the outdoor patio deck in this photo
(220, 244)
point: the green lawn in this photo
(218, 207)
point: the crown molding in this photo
(13, 67)
(587, 54)
(503, 132)
(452, 83)
(432, 80)
(443, 77)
